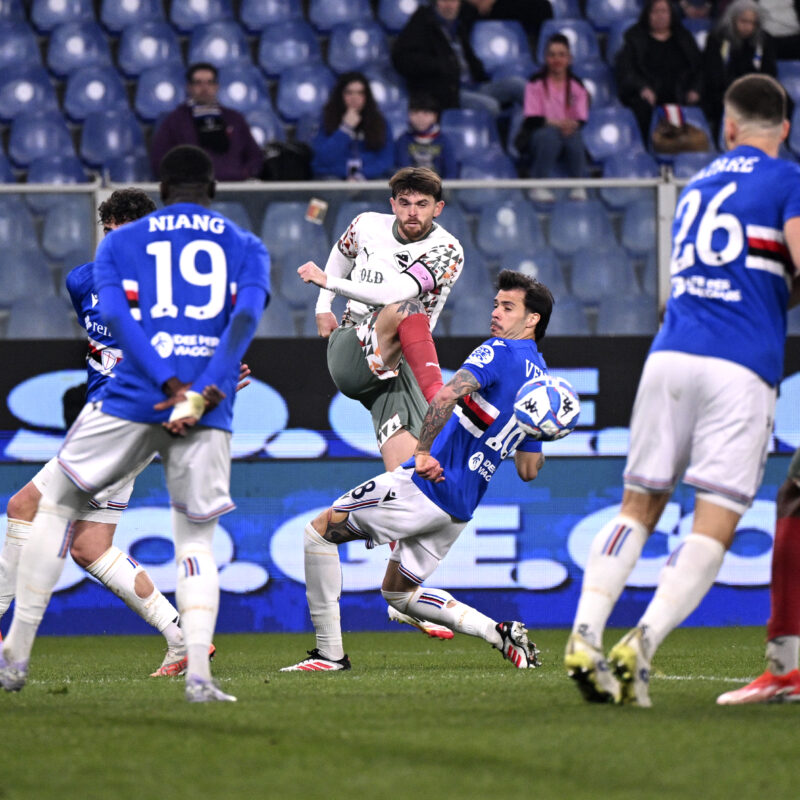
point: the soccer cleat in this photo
(515, 645)
(316, 662)
(766, 688)
(175, 662)
(13, 676)
(428, 628)
(200, 690)
(631, 666)
(587, 666)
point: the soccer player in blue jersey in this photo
(424, 504)
(705, 403)
(183, 290)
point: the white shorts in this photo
(102, 452)
(108, 510)
(706, 417)
(390, 508)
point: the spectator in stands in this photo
(424, 144)
(782, 22)
(529, 13)
(433, 53)
(354, 142)
(738, 46)
(556, 106)
(221, 132)
(659, 62)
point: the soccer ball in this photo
(547, 408)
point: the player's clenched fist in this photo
(311, 273)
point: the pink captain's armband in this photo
(422, 275)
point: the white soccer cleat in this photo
(200, 690)
(13, 676)
(766, 688)
(428, 628)
(628, 659)
(515, 646)
(316, 662)
(587, 666)
(175, 662)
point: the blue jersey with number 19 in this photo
(483, 429)
(731, 270)
(181, 268)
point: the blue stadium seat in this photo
(685, 165)
(598, 79)
(605, 13)
(394, 14)
(471, 131)
(221, 43)
(574, 225)
(648, 277)
(38, 133)
(150, 44)
(599, 271)
(12, 10)
(628, 165)
(16, 223)
(116, 15)
(542, 264)
(616, 37)
(794, 131)
(6, 172)
(568, 318)
(23, 89)
(47, 15)
(500, 42)
(639, 227)
(627, 315)
(324, 14)
(277, 321)
(789, 77)
(18, 283)
(581, 35)
(42, 317)
(303, 90)
(306, 128)
(507, 226)
(159, 90)
(699, 28)
(93, 88)
(76, 44)
(108, 134)
(235, 212)
(454, 220)
(611, 130)
(53, 169)
(388, 89)
(397, 116)
(356, 45)
(18, 44)
(346, 212)
(258, 15)
(242, 87)
(68, 227)
(130, 168)
(265, 125)
(186, 15)
(566, 9)
(489, 164)
(292, 43)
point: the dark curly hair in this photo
(125, 205)
(373, 123)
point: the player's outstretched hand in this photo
(326, 324)
(244, 374)
(428, 467)
(311, 273)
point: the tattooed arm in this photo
(439, 411)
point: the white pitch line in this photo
(712, 678)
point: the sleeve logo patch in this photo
(481, 356)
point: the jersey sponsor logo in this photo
(480, 355)
(479, 463)
(184, 344)
(707, 288)
(195, 222)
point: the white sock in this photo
(118, 572)
(615, 550)
(683, 583)
(441, 607)
(782, 654)
(17, 532)
(197, 590)
(323, 588)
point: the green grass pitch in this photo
(415, 718)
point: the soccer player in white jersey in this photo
(705, 403)
(183, 290)
(424, 504)
(397, 271)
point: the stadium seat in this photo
(542, 264)
(258, 15)
(108, 134)
(616, 37)
(598, 79)
(34, 279)
(150, 44)
(265, 125)
(242, 87)
(6, 172)
(454, 220)
(574, 225)
(277, 321)
(648, 277)
(699, 28)
(490, 164)
(93, 88)
(42, 317)
(789, 77)
(568, 318)
(12, 10)
(235, 212)
(357, 45)
(130, 168)
(600, 271)
(303, 90)
(639, 227)
(507, 226)
(186, 15)
(622, 315)
(159, 90)
(397, 116)
(388, 88)
(794, 131)
(605, 13)
(346, 212)
(471, 131)
(47, 15)
(16, 223)
(324, 14)
(116, 15)
(581, 35)
(306, 128)
(221, 43)
(394, 14)
(627, 165)
(53, 169)
(566, 9)
(292, 43)
(18, 44)
(685, 165)
(38, 133)
(68, 227)
(74, 45)
(499, 42)
(611, 130)
(25, 88)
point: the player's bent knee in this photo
(398, 600)
(329, 518)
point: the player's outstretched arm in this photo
(528, 464)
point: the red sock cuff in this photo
(784, 617)
(420, 353)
